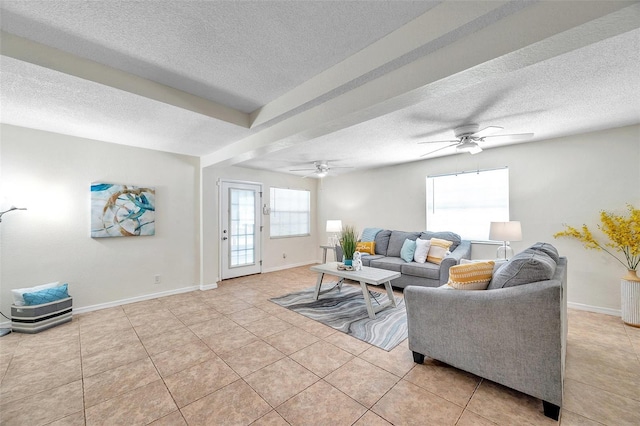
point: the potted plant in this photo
(624, 237)
(348, 242)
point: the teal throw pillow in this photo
(408, 250)
(45, 296)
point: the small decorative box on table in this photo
(35, 318)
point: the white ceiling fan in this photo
(321, 169)
(469, 136)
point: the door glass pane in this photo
(242, 227)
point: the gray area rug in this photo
(345, 310)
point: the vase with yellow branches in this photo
(623, 233)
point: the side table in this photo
(324, 252)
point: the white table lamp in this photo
(505, 232)
(335, 227)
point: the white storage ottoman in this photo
(35, 318)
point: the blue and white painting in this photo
(122, 210)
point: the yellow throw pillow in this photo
(438, 250)
(368, 247)
(471, 276)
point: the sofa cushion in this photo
(422, 249)
(396, 240)
(526, 267)
(408, 250)
(547, 248)
(382, 241)
(449, 236)
(367, 247)
(471, 276)
(388, 263)
(421, 270)
(438, 250)
(367, 258)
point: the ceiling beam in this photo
(541, 31)
(444, 20)
(38, 54)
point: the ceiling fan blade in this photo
(301, 170)
(340, 167)
(439, 149)
(487, 131)
(510, 138)
(449, 141)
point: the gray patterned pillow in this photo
(526, 267)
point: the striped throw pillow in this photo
(471, 276)
(438, 250)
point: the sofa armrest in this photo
(513, 336)
(463, 251)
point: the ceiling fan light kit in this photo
(469, 146)
(321, 169)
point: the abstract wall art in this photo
(122, 210)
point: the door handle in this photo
(224, 238)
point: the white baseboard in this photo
(208, 286)
(85, 309)
(596, 309)
(289, 266)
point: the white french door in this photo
(240, 234)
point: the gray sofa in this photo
(387, 249)
(514, 333)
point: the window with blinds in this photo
(467, 202)
(290, 213)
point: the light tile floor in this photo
(229, 356)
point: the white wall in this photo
(50, 174)
(298, 250)
(565, 180)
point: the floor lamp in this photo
(505, 232)
(5, 331)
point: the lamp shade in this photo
(505, 231)
(334, 226)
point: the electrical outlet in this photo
(157, 279)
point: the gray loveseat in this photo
(514, 333)
(387, 249)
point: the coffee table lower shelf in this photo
(366, 276)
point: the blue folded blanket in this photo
(369, 234)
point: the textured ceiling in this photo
(242, 54)
(278, 85)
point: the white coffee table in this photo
(366, 276)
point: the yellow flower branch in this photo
(623, 234)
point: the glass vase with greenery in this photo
(623, 233)
(348, 241)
